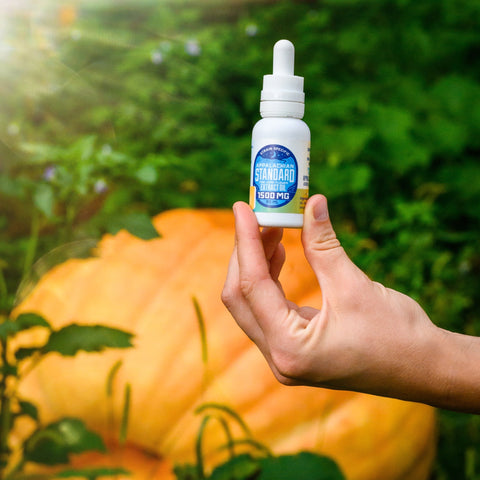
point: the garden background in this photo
(111, 112)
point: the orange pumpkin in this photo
(147, 287)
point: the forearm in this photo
(443, 372)
(459, 371)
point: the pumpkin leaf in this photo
(186, 472)
(73, 338)
(28, 409)
(242, 467)
(301, 466)
(53, 444)
(91, 473)
(27, 352)
(24, 321)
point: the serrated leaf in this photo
(91, 338)
(23, 322)
(53, 444)
(302, 466)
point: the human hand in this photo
(365, 337)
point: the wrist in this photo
(458, 371)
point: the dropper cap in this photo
(282, 94)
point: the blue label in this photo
(275, 175)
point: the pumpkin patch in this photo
(163, 291)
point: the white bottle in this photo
(280, 146)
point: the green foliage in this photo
(53, 444)
(134, 108)
(301, 466)
(257, 463)
(71, 339)
(50, 444)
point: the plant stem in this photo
(5, 412)
(32, 242)
(12, 474)
(3, 291)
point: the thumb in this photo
(322, 248)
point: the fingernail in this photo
(234, 208)
(320, 211)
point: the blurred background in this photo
(113, 111)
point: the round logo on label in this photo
(275, 175)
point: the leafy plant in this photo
(50, 444)
(47, 444)
(157, 100)
(259, 463)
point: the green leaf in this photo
(8, 370)
(242, 467)
(29, 320)
(137, 223)
(28, 409)
(147, 174)
(52, 445)
(27, 352)
(23, 322)
(44, 199)
(91, 338)
(302, 466)
(186, 472)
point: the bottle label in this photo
(275, 175)
(275, 181)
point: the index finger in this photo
(259, 289)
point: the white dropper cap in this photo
(282, 94)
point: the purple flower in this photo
(100, 186)
(193, 48)
(49, 173)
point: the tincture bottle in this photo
(280, 146)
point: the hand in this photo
(365, 337)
